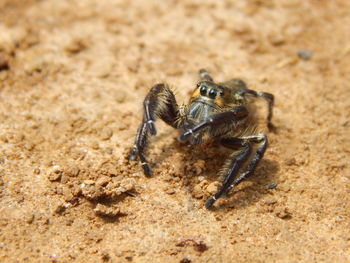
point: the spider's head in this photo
(209, 91)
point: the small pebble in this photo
(105, 256)
(103, 210)
(4, 64)
(277, 40)
(212, 188)
(95, 145)
(55, 175)
(73, 172)
(272, 186)
(103, 181)
(106, 134)
(282, 212)
(75, 46)
(304, 54)
(270, 200)
(102, 68)
(60, 208)
(29, 218)
(185, 260)
(109, 150)
(89, 182)
(290, 161)
(197, 191)
(3, 75)
(120, 96)
(170, 191)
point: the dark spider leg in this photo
(138, 148)
(204, 75)
(235, 114)
(242, 87)
(235, 83)
(159, 102)
(235, 163)
(270, 101)
(262, 140)
(227, 184)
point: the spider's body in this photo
(210, 98)
(220, 112)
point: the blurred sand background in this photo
(73, 75)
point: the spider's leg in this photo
(235, 114)
(138, 149)
(241, 86)
(204, 75)
(232, 166)
(160, 103)
(270, 102)
(227, 184)
(261, 140)
(235, 83)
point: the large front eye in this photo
(212, 93)
(203, 90)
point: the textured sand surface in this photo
(73, 75)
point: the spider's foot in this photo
(184, 136)
(146, 169)
(209, 203)
(132, 154)
(151, 127)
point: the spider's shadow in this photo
(248, 192)
(254, 188)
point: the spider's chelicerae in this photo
(221, 112)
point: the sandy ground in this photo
(73, 75)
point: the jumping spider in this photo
(220, 112)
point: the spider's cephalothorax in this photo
(216, 111)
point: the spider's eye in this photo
(212, 93)
(203, 90)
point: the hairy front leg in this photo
(160, 103)
(231, 179)
(261, 140)
(231, 167)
